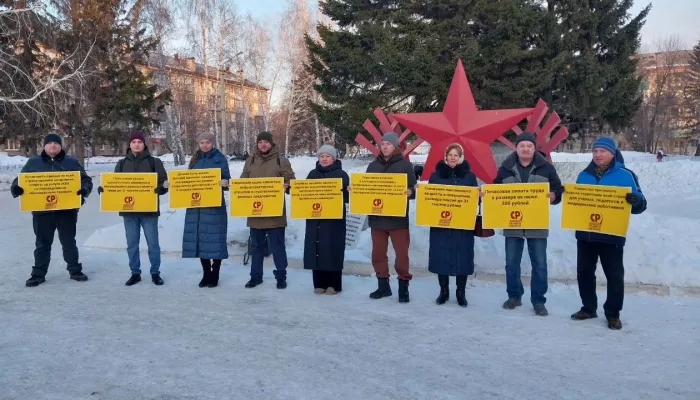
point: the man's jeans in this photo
(275, 241)
(132, 227)
(538, 258)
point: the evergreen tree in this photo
(591, 72)
(400, 55)
(118, 95)
(693, 93)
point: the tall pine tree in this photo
(400, 55)
(118, 95)
(591, 72)
(693, 94)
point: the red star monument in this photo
(461, 122)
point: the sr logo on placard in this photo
(129, 202)
(257, 207)
(516, 219)
(196, 199)
(377, 206)
(51, 201)
(595, 222)
(445, 218)
(316, 209)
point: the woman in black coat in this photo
(452, 250)
(324, 244)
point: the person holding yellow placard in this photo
(452, 250)
(139, 159)
(205, 230)
(324, 242)
(53, 158)
(605, 169)
(266, 162)
(527, 165)
(391, 160)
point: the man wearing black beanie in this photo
(266, 162)
(53, 158)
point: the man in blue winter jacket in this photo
(54, 158)
(605, 169)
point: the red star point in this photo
(461, 122)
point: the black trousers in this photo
(326, 279)
(610, 256)
(45, 226)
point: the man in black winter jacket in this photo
(391, 160)
(526, 165)
(139, 159)
(54, 158)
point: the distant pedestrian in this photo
(46, 223)
(324, 242)
(660, 155)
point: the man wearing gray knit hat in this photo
(391, 160)
(266, 162)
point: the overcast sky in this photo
(667, 17)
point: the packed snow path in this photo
(102, 340)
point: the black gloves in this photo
(160, 191)
(100, 189)
(633, 198)
(82, 192)
(16, 191)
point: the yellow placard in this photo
(596, 208)
(49, 191)
(447, 206)
(515, 206)
(316, 198)
(128, 192)
(257, 197)
(378, 194)
(195, 188)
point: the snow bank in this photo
(663, 244)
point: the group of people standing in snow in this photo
(451, 251)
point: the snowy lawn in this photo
(102, 340)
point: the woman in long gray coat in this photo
(324, 243)
(205, 228)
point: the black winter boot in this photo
(206, 272)
(214, 275)
(35, 281)
(383, 289)
(403, 291)
(444, 281)
(461, 287)
(157, 280)
(135, 278)
(79, 276)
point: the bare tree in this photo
(659, 116)
(157, 16)
(24, 90)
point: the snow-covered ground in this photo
(102, 340)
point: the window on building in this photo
(238, 94)
(259, 123)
